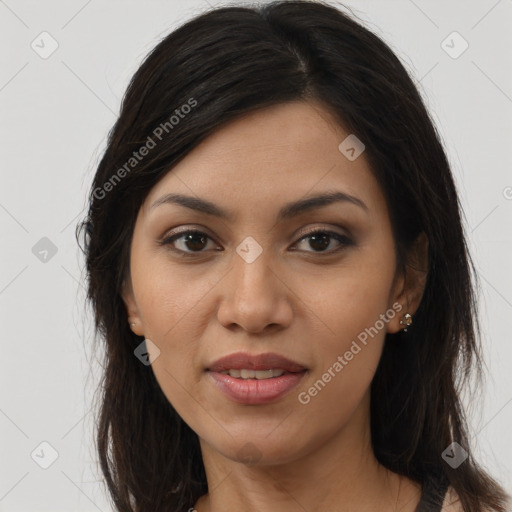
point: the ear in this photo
(131, 307)
(409, 286)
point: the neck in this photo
(340, 474)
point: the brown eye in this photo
(191, 241)
(320, 240)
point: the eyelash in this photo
(342, 239)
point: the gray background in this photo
(56, 112)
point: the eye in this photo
(320, 239)
(194, 241)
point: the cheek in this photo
(353, 305)
(168, 297)
(350, 298)
(349, 347)
(169, 302)
(347, 362)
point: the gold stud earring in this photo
(406, 321)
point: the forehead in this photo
(268, 157)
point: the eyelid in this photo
(322, 229)
(203, 229)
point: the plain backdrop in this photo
(56, 110)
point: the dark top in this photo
(432, 497)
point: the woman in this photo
(278, 269)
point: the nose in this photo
(255, 297)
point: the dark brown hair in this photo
(223, 64)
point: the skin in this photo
(302, 303)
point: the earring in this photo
(406, 321)
(132, 325)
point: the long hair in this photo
(217, 67)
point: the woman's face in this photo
(256, 281)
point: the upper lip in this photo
(241, 360)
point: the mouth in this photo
(248, 363)
(258, 379)
(254, 374)
(254, 391)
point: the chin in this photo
(253, 452)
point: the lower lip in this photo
(254, 391)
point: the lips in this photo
(254, 391)
(244, 361)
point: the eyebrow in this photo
(286, 212)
